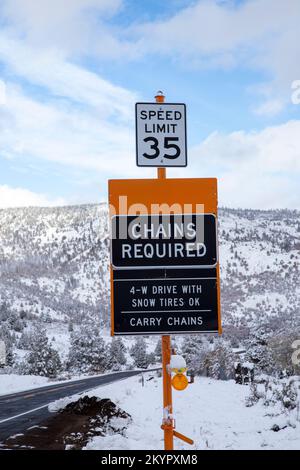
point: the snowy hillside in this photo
(54, 271)
(54, 264)
(259, 256)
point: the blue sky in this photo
(70, 73)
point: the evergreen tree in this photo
(151, 358)
(157, 351)
(43, 359)
(139, 353)
(8, 338)
(88, 352)
(191, 351)
(116, 354)
(26, 339)
(258, 351)
(219, 361)
(280, 347)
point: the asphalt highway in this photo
(22, 410)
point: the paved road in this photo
(19, 411)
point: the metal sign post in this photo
(166, 351)
(164, 253)
(167, 423)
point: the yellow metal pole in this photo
(167, 424)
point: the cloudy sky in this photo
(71, 71)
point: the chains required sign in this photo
(161, 134)
(164, 256)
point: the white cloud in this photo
(274, 149)
(30, 15)
(57, 132)
(80, 120)
(70, 25)
(210, 27)
(255, 169)
(270, 107)
(64, 79)
(21, 197)
(261, 34)
(2, 92)
(256, 190)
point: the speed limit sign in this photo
(161, 134)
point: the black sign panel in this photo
(166, 304)
(170, 241)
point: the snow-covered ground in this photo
(212, 413)
(12, 383)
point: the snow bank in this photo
(12, 383)
(212, 413)
(60, 404)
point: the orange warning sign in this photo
(164, 256)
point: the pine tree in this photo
(8, 338)
(219, 362)
(157, 351)
(43, 359)
(88, 351)
(26, 339)
(191, 351)
(258, 351)
(116, 354)
(139, 353)
(280, 345)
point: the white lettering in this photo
(145, 321)
(184, 321)
(163, 250)
(126, 250)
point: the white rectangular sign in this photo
(161, 134)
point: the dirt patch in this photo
(73, 426)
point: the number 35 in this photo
(168, 144)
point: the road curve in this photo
(22, 410)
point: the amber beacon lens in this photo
(179, 382)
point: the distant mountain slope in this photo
(54, 265)
(54, 261)
(259, 255)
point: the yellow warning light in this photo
(179, 382)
